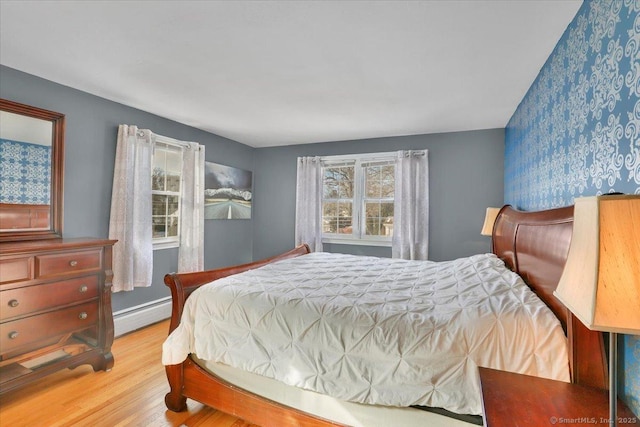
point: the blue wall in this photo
(577, 131)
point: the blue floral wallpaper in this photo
(24, 172)
(577, 130)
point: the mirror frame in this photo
(57, 172)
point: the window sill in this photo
(356, 242)
(165, 245)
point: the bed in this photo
(534, 245)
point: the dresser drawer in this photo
(49, 325)
(15, 269)
(67, 263)
(22, 301)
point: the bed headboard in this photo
(535, 245)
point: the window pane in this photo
(173, 215)
(158, 205)
(330, 224)
(379, 219)
(329, 209)
(165, 210)
(345, 189)
(387, 184)
(173, 182)
(345, 218)
(379, 182)
(372, 210)
(330, 184)
(158, 174)
(338, 182)
(173, 170)
(159, 218)
(330, 190)
(373, 227)
(372, 182)
(174, 161)
(386, 219)
(337, 206)
(157, 179)
(329, 217)
(159, 156)
(159, 226)
(337, 217)
(172, 226)
(386, 211)
(172, 205)
(372, 219)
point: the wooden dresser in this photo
(55, 308)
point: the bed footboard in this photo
(182, 285)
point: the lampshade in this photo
(600, 283)
(489, 220)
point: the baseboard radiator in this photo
(133, 318)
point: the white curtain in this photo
(411, 206)
(191, 252)
(309, 203)
(130, 221)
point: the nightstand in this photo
(515, 400)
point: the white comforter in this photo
(375, 330)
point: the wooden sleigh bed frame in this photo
(533, 244)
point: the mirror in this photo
(31, 172)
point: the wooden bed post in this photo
(174, 400)
(588, 367)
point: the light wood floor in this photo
(131, 394)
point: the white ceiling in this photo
(269, 73)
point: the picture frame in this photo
(227, 192)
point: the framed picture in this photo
(227, 192)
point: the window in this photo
(357, 198)
(166, 178)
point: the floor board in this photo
(131, 394)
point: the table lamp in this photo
(600, 282)
(489, 220)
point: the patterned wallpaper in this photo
(24, 172)
(577, 130)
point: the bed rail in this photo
(183, 284)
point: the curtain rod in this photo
(183, 144)
(365, 158)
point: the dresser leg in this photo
(104, 362)
(98, 361)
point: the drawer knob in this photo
(14, 303)
(83, 288)
(82, 315)
(13, 335)
(73, 263)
